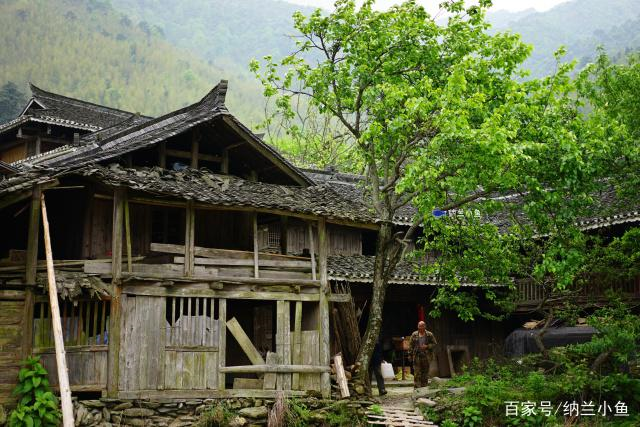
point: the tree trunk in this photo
(381, 270)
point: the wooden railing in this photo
(530, 293)
(216, 264)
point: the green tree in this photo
(440, 117)
(12, 100)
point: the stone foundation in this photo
(107, 412)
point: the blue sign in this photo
(438, 213)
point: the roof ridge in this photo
(36, 91)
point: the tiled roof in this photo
(359, 268)
(224, 190)
(351, 186)
(65, 111)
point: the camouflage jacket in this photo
(414, 344)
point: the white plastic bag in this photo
(387, 371)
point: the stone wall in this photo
(185, 412)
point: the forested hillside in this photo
(88, 50)
(580, 25)
(221, 30)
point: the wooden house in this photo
(192, 260)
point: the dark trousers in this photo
(376, 369)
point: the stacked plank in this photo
(397, 417)
(346, 332)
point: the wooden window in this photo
(191, 322)
(84, 323)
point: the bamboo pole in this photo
(61, 361)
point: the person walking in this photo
(375, 367)
(421, 345)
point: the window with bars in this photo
(84, 323)
(191, 322)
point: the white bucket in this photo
(387, 371)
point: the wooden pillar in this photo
(284, 223)
(325, 383)
(256, 269)
(297, 344)
(222, 340)
(195, 150)
(38, 147)
(189, 240)
(162, 155)
(31, 269)
(312, 252)
(127, 233)
(283, 342)
(116, 307)
(224, 166)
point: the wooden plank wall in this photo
(341, 240)
(11, 324)
(87, 369)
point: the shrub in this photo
(37, 406)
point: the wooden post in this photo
(312, 251)
(297, 344)
(224, 166)
(195, 149)
(325, 383)
(162, 154)
(116, 302)
(222, 340)
(189, 240)
(283, 342)
(61, 360)
(127, 233)
(284, 223)
(256, 269)
(31, 269)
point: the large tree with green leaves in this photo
(440, 116)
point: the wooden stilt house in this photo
(192, 260)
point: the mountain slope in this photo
(85, 49)
(580, 25)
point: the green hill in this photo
(580, 25)
(87, 49)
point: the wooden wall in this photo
(483, 338)
(341, 240)
(11, 325)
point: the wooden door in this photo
(142, 355)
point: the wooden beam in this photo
(279, 369)
(189, 240)
(159, 291)
(31, 269)
(187, 155)
(256, 265)
(61, 360)
(201, 251)
(245, 343)
(222, 341)
(325, 382)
